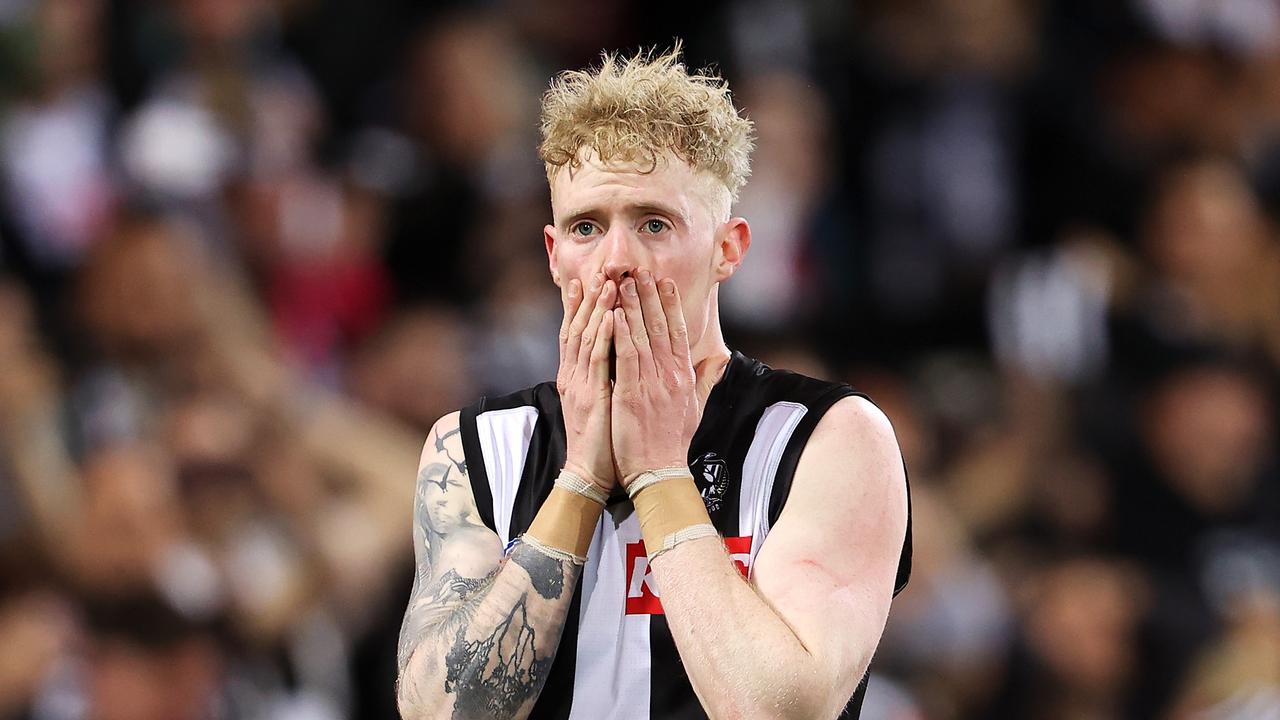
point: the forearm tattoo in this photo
(496, 660)
(545, 573)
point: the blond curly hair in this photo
(637, 109)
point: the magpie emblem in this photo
(711, 473)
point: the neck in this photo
(710, 354)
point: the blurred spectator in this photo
(416, 368)
(949, 632)
(312, 245)
(1079, 636)
(790, 172)
(468, 119)
(36, 632)
(232, 103)
(144, 661)
(1217, 263)
(54, 147)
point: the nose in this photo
(619, 259)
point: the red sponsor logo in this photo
(642, 591)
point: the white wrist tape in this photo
(551, 552)
(574, 483)
(651, 477)
(693, 532)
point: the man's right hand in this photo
(586, 336)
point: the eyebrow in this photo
(644, 208)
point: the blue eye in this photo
(655, 226)
(582, 229)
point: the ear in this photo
(731, 247)
(549, 237)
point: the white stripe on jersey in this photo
(773, 432)
(612, 675)
(504, 442)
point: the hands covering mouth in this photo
(626, 382)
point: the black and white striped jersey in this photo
(617, 658)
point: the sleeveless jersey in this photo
(616, 658)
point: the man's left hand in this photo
(655, 402)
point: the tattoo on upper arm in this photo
(442, 448)
(438, 513)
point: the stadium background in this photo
(251, 249)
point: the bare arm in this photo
(796, 640)
(481, 630)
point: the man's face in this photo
(615, 218)
(440, 497)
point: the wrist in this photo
(566, 521)
(575, 483)
(637, 482)
(628, 474)
(603, 481)
(668, 508)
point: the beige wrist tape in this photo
(667, 508)
(574, 483)
(649, 477)
(693, 532)
(536, 544)
(565, 522)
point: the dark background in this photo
(251, 249)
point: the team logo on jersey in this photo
(711, 473)
(642, 591)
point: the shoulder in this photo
(853, 457)
(856, 426)
(443, 434)
(444, 424)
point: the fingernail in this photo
(668, 287)
(573, 288)
(629, 287)
(595, 282)
(646, 277)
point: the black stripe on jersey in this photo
(545, 458)
(729, 434)
(475, 462)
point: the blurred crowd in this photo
(251, 249)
